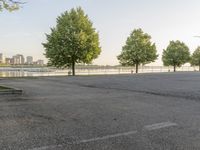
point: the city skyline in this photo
(20, 59)
(113, 21)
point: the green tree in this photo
(176, 54)
(138, 50)
(73, 40)
(10, 5)
(195, 59)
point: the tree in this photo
(10, 5)
(176, 54)
(195, 59)
(72, 41)
(138, 50)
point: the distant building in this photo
(9, 61)
(2, 59)
(18, 59)
(29, 60)
(40, 62)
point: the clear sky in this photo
(23, 31)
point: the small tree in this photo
(195, 59)
(9, 5)
(176, 54)
(138, 50)
(72, 41)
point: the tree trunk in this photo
(136, 71)
(199, 67)
(73, 68)
(174, 68)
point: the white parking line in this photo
(88, 140)
(108, 137)
(147, 127)
(159, 126)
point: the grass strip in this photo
(4, 88)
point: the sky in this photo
(23, 31)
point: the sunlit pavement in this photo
(116, 112)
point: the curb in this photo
(11, 91)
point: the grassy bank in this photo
(4, 88)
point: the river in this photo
(45, 71)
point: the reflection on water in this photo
(32, 72)
(22, 74)
(26, 72)
(11, 74)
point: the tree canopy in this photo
(195, 59)
(176, 54)
(9, 5)
(138, 50)
(73, 40)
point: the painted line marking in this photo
(159, 126)
(147, 127)
(89, 140)
(108, 137)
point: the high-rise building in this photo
(18, 59)
(29, 60)
(2, 59)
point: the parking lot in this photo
(158, 111)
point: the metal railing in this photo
(105, 70)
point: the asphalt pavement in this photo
(158, 111)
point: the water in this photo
(45, 71)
